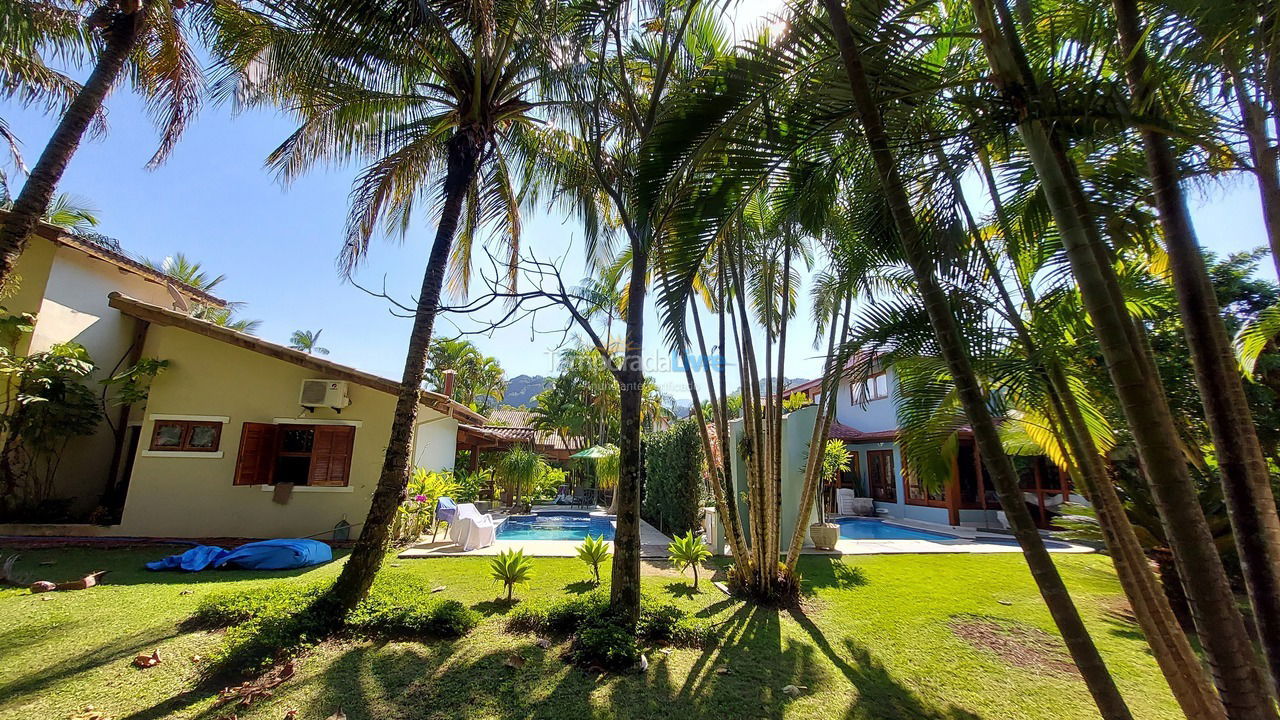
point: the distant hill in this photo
(522, 388)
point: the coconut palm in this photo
(441, 101)
(187, 271)
(307, 341)
(146, 39)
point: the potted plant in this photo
(835, 460)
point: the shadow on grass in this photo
(54, 674)
(581, 587)
(825, 571)
(496, 606)
(682, 589)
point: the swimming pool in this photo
(556, 525)
(872, 529)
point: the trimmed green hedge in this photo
(673, 490)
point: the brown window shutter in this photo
(331, 455)
(256, 459)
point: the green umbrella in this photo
(594, 452)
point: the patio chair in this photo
(446, 510)
(471, 530)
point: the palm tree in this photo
(419, 91)
(307, 342)
(1243, 468)
(187, 271)
(150, 38)
(1223, 633)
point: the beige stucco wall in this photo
(194, 497)
(67, 291)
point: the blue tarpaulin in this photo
(282, 554)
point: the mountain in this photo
(522, 388)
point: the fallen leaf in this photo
(84, 583)
(437, 589)
(543, 643)
(724, 671)
(643, 663)
(514, 661)
(1004, 602)
(338, 715)
(40, 586)
(186, 592)
(291, 714)
(146, 661)
(794, 691)
(89, 713)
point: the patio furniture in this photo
(446, 510)
(471, 530)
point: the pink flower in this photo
(420, 498)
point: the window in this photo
(880, 477)
(186, 436)
(918, 494)
(875, 387)
(313, 455)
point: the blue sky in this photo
(214, 201)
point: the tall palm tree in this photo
(308, 342)
(190, 272)
(148, 39)
(1243, 468)
(441, 100)
(1222, 630)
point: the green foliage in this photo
(607, 645)
(511, 567)
(478, 380)
(593, 552)
(563, 616)
(688, 551)
(795, 402)
(835, 459)
(673, 489)
(469, 484)
(608, 468)
(518, 468)
(267, 625)
(661, 623)
(665, 624)
(133, 384)
(45, 404)
(416, 513)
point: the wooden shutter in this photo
(331, 455)
(256, 459)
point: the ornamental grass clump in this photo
(593, 552)
(511, 568)
(688, 551)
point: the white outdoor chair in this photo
(470, 529)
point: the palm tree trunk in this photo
(1074, 634)
(1222, 629)
(1242, 468)
(121, 37)
(366, 558)
(1169, 645)
(1266, 163)
(624, 587)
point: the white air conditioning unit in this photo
(324, 393)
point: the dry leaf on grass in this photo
(338, 715)
(514, 661)
(145, 661)
(89, 713)
(794, 691)
(249, 691)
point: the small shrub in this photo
(511, 567)
(688, 551)
(665, 624)
(607, 645)
(406, 608)
(564, 616)
(593, 552)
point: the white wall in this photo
(74, 308)
(874, 416)
(435, 442)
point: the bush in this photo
(607, 645)
(673, 490)
(662, 623)
(268, 625)
(563, 616)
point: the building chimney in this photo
(448, 384)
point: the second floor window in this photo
(875, 387)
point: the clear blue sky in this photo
(215, 202)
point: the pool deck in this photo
(966, 540)
(653, 544)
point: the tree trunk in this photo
(1221, 626)
(624, 587)
(1265, 166)
(366, 558)
(1242, 468)
(121, 37)
(1074, 634)
(1169, 645)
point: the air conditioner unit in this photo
(324, 393)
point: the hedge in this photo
(673, 491)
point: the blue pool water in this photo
(555, 525)
(870, 529)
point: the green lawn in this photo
(876, 640)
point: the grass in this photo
(875, 640)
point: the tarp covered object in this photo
(282, 554)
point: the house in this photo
(63, 280)
(866, 421)
(228, 442)
(506, 427)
